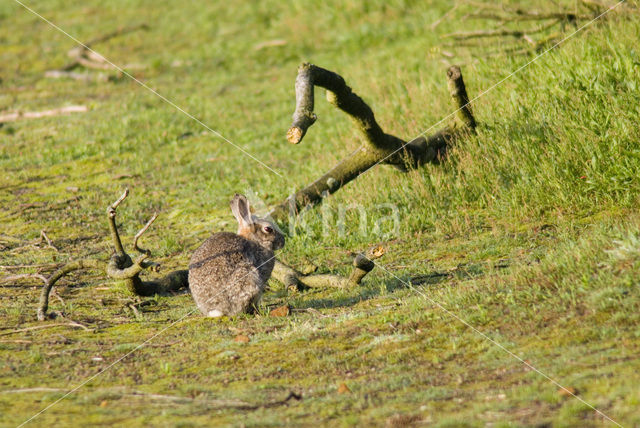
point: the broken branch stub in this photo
(378, 147)
(458, 93)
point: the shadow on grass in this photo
(351, 297)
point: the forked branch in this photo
(120, 266)
(379, 147)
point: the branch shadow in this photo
(401, 282)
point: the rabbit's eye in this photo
(267, 229)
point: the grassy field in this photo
(523, 245)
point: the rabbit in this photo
(228, 272)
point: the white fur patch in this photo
(215, 313)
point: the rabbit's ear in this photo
(241, 211)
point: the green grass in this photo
(532, 223)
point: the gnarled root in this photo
(120, 267)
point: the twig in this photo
(292, 396)
(24, 207)
(41, 266)
(38, 327)
(111, 214)
(118, 201)
(8, 238)
(11, 278)
(57, 296)
(43, 235)
(25, 390)
(69, 267)
(312, 311)
(135, 310)
(139, 234)
(77, 324)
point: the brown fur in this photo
(229, 272)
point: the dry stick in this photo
(135, 310)
(139, 234)
(499, 7)
(232, 404)
(536, 45)
(118, 32)
(10, 117)
(379, 147)
(38, 327)
(55, 294)
(40, 266)
(23, 390)
(10, 278)
(497, 12)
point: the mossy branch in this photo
(120, 266)
(379, 147)
(43, 304)
(362, 265)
